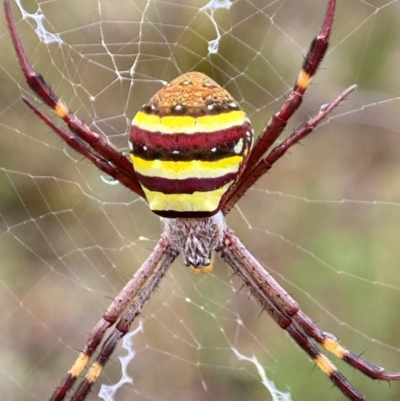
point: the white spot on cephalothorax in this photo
(213, 150)
(178, 107)
(144, 147)
(233, 105)
(209, 85)
(186, 82)
(210, 106)
(130, 146)
(238, 148)
(153, 106)
(175, 152)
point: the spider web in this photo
(325, 221)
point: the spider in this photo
(192, 159)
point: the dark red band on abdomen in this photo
(207, 140)
(185, 186)
(188, 147)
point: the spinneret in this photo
(188, 146)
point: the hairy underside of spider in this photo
(196, 238)
(192, 159)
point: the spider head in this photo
(188, 145)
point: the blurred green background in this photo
(325, 221)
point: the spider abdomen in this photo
(188, 145)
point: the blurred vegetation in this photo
(69, 241)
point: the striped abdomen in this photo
(188, 145)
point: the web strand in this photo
(325, 221)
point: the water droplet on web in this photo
(109, 180)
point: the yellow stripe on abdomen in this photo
(189, 124)
(195, 202)
(191, 169)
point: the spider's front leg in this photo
(253, 169)
(91, 145)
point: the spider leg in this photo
(287, 314)
(128, 304)
(94, 143)
(250, 177)
(278, 122)
(82, 148)
(164, 261)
